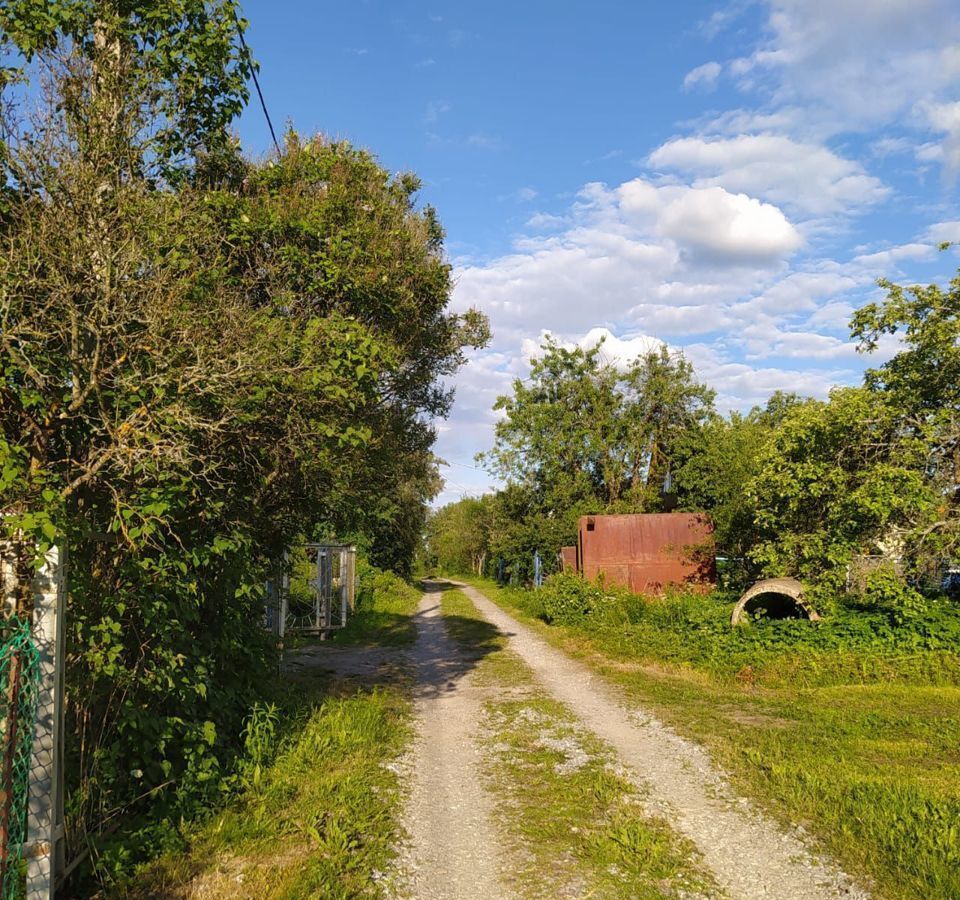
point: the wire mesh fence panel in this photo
(322, 587)
(20, 675)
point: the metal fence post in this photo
(326, 586)
(344, 573)
(45, 794)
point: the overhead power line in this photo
(256, 81)
(453, 462)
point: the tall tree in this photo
(557, 434)
(580, 431)
(171, 72)
(718, 469)
(921, 382)
(837, 479)
(458, 535)
(200, 359)
(582, 435)
(664, 410)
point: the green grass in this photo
(466, 626)
(573, 826)
(862, 750)
(316, 807)
(853, 643)
(384, 612)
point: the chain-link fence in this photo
(20, 675)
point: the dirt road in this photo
(453, 852)
(454, 849)
(750, 855)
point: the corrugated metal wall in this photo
(648, 552)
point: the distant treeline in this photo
(797, 487)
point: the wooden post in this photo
(349, 581)
(45, 794)
(276, 606)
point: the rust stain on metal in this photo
(649, 552)
(568, 559)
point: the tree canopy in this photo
(202, 360)
(796, 487)
(585, 435)
(174, 71)
(581, 431)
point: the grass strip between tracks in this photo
(573, 826)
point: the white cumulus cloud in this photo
(738, 245)
(638, 255)
(944, 118)
(725, 226)
(704, 76)
(804, 176)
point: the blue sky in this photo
(728, 178)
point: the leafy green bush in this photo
(887, 590)
(566, 599)
(893, 638)
(569, 599)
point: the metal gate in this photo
(332, 590)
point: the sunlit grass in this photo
(315, 811)
(384, 612)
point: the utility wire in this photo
(453, 462)
(256, 81)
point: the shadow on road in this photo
(439, 660)
(396, 647)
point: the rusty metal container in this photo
(568, 559)
(649, 552)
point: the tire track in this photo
(453, 853)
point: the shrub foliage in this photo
(202, 359)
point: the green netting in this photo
(19, 683)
